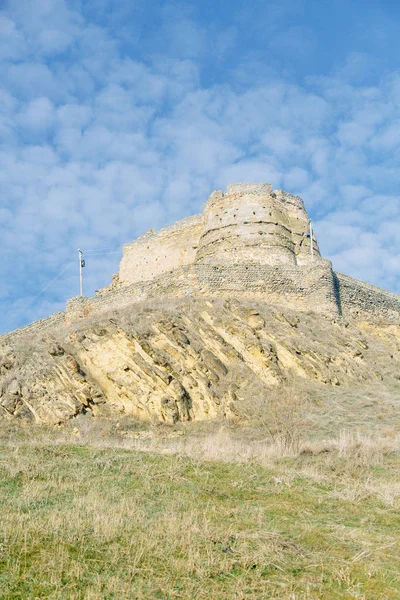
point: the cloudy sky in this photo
(121, 115)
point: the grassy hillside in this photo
(85, 522)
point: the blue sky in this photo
(121, 115)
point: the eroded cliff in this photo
(195, 359)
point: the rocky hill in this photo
(205, 318)
(202, 359)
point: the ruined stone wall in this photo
(37, 327)
(250, 242)
(156, 253)
(251, 223)
(299, 224)
(308, 288)
(358, 298)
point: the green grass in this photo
(79, 522)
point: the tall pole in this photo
(311, 240)
(80, 273)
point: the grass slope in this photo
(82, 522)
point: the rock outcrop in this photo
(192, 360)
(203, 316)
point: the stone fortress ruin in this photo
(250, 242)
(249, 224)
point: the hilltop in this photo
(220, 421)
(204, 319)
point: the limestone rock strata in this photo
(183, 361)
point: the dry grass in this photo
(106, 509)
(85, 522)
(281, 416)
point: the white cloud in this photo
(99, 146)
(74, 115)
(353, 134)
(388, 138)
(261, 169)
(296, 179)
(49, 26)
(32, 79)
(11, 40)
(39, 155)
(358, 66)
(38, 115)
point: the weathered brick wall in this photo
(359, 297)
(156, 253)
(312, 287)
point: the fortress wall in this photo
(82, 308)
(251, 223)
(36, 327)
(156, 253)
(299, 224)
(359, 297)
(313, 287)
(303, 288)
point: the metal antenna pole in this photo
(311, 240)
(80, 273)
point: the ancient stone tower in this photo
(251, 223)
(251, 242)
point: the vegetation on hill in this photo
(264, 463)
(83, 517)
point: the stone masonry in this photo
(250, 223)
(250, 242)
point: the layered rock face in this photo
(241, 301)
(194, 360)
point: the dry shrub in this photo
(282, 416)
(354, 446)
